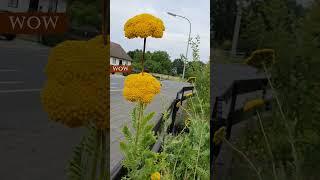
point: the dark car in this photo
(8, 36)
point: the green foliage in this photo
(295, 76)
(226, 45)
(85, 12)
(264, 23)
(140, 161)
(188, 154)
(195, 66)
(177, 65)
(195, 42)
(52, 40)
(79, 166)
(223, 15)
(156, 62)
(202, 86)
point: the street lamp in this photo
(188, 42)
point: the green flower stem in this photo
(144, 50)
(175, 164)
(268, 146)
(140, 114)
(103, 156)
(195, 169)
(244, 156)
(96, 154)
(291, 139)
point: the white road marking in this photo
(11, 82)
(20, 90)
(8, 70)
(115, 90)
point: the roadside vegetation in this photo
(285, 144)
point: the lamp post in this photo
(188, 42)
(104, 21)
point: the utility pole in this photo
(236, 29)
(104, 21)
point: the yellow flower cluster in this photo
(253, 104)
(155, 176)
(260, 57)
(219, 135)
(141, 87)
(143, 26)
(76, 89)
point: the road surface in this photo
(32, 147)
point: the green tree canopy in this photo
(157, 62)
(177, 65)
(85, 13)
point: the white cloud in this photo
(175, 37)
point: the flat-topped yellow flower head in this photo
(143, 26)
(76, 89)
(219, 135)
(155, 176)
(261, 57)
(141, 88)
(253, 104)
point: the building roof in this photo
(118, 52)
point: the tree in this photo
(177, 65)
(85, 12)
(195, 65)
(266, 22)
(162, 59)
(222, 20)
(157, 62)
(195, 42)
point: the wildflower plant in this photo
(264, 59)
(188, 153)
(141, 88)
(76, 95)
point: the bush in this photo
(52, 40)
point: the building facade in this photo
(33, 5)
(118, 56)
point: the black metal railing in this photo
(217, 121)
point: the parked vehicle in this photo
(9, 37)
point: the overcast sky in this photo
(175, 37)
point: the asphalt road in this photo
(222, 77)
(31, 147)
